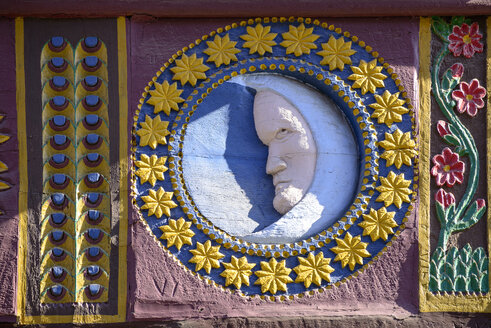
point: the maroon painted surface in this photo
(161, 289)
(244, 8)
(10, 156)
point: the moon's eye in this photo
(282, 133)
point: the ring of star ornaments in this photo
(337, 64)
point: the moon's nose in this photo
(274, 165)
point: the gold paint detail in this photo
(189, 69)
(153, 132)
(367, 76)
(389, 108)
(253, 248)
(165, 97)
(313, 269)
(151, 168)
(158, 202)
(394, 190)
(237, 272)
(221, 50)
(258, 39)
(428, 301)
(336, 53)
(177, 233)
(206, 256)
(350, 251)
(299, 40)
(378, 224)
(273, 276)
(399, 148)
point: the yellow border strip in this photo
(430, 302)
(123, 209)
(425, 152)
(123, 167)
(22, 144)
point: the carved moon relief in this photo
(274, 156)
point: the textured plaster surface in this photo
(161, 289)
(244, 8)
(9, 155)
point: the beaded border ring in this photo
(337, 64)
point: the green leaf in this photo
(460, 284)
(459, 20)
(466, 255)
(460, 268)
(447, 285)
(434, 284)
(474, 285)
(440, 28)
(453, 129)
(461, 151)
(451, 140)
(433, 268)
(484, 283)
(452, 254)
(449, 82)
(438, 255)
(449, 271)
(471, 217)
(441, 215)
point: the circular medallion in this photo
(274, 157)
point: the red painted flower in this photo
(444, 198)
(448, 168)
(465, 39)
(469, 97)
(480, 203)
(442, 128)
(457, 70)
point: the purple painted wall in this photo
(9, 155)
(243, 8)
(160, 288)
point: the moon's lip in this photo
(277, 180)
(279, 186)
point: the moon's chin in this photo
(286, 199)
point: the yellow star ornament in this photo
(221, 50)
(158, 202)
(151, 168)
(299, 40)
(273, 276)
(189, 69)
(153, 132)
(399, 148)
(258, 39)
(394, 190)
(165, 97)
(177, 233)
(237, 272)
(336, 53)
(378, 224)
(389, 108)
(350, 251)
(367, 76)
(206, 256)
(313, 269)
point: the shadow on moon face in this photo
(226, 159)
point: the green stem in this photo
(467, 142)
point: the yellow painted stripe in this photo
(123, 210)
(123, 166)
(424, 155)
(22, 144)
